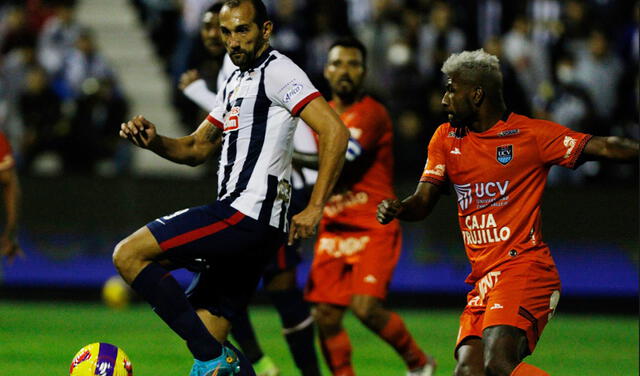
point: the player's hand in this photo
(10, 248)
(388, 210)
(303, 224)
(187, 78)
(139, 131)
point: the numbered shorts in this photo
(353, 263)
(522, 294)
(234, 249)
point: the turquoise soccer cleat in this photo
(227, 364)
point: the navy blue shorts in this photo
(288, 256)
(234, 248)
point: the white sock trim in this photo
(304, 324)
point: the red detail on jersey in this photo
(215, 121)
(298, 107)
(201, 232)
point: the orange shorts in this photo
(523, 294)
(351, 263)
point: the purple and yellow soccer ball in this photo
(101, 359)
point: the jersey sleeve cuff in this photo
(215, 122)
(576, 159)
(434, 181)
(298, 107)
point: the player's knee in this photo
(369, 312)
(466, 369)
(326, 317)
(123, 255)
(498, 366)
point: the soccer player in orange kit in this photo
(498, 163)
(355, 255)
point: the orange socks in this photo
(524, 369)
(337, 352)
(396, 334)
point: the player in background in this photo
(498, 163)
(254, 119)
(280, 276)
(9, 247)
(354, 255)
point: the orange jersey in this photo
(369, 124)
(499, 177)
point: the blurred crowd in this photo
(574, 62)
(60, 102)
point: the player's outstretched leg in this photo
(297, 322)
(242, 331)
(336, 346)
(390, 327)
(133, 258)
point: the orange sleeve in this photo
(435, 169)
(6, 157)
(559, 145)
(370, 125)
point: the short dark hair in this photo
(215, 7)
(260, 16)
(351, 42)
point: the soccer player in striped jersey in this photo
(355, 256)
(280, 275)
(498, 163)
(254, 121)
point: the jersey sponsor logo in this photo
(570, 144)
(294, 90)
(484, 285)
(486, 193)
(438, 170)
(483, 229)
(504, 154)
(508, 132)
(338, 203)
(233, 120)
(463, 191)
(342, 247)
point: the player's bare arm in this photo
(191, 150)
(413, 208)
(9, 246)
(333, 137)
(616, 148)
(187, 78)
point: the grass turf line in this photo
(41, 339)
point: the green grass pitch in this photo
(41, 338)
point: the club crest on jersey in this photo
(504, 154)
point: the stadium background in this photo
(83, 190)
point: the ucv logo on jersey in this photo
(504, 154)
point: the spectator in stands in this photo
(599, 71)
(41, 113)
(83, 62)
(438, 39)
(58, 36)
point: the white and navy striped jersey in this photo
(257, 110)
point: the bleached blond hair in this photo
(476, 67)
